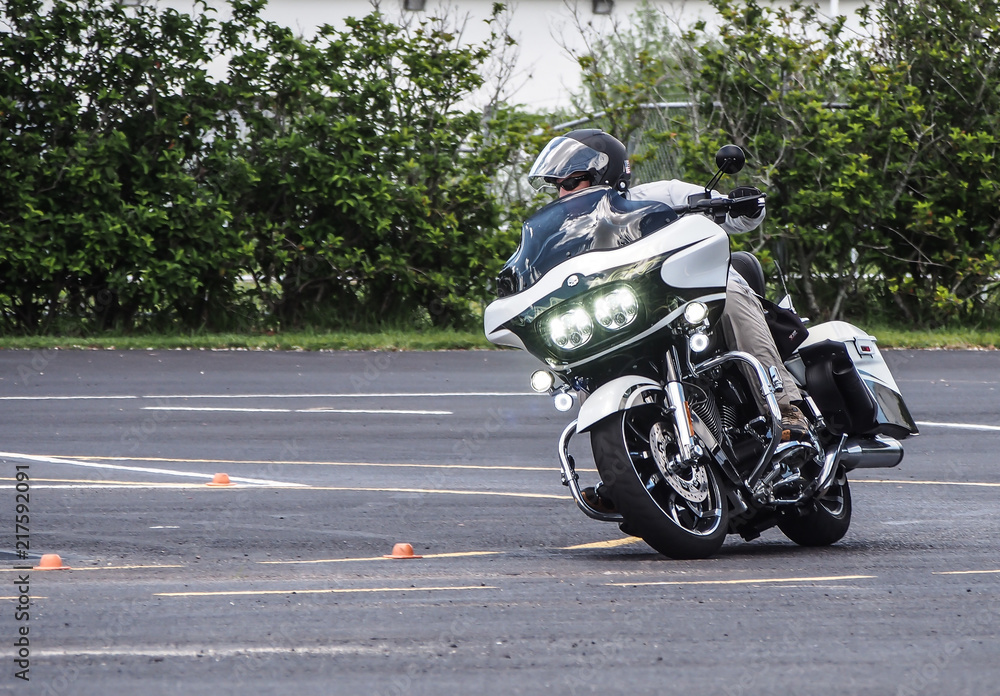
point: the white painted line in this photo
(382, 411)
(961, 426)
(441, 491)
(756, 581)
(459, 554)
(973, 484)
(227, 410)
(378, 465)
(341, 395)
(376, 411)
(236, 593)
(389, 395)
(125, 567)
(140, 469)
(62, 398)
(155, 651)
(149, 486)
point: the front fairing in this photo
(580, 249)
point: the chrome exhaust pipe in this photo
(879, 452)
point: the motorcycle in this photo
(621, 301)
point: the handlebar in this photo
(718, 208)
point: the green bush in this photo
(335, 180)
(340, 181)
(878, 151)
(106, 218)
(371, 187)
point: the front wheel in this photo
(822, 521)
(680, 511)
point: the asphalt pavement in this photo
(280, 583)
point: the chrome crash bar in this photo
(572, 479)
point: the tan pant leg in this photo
(745, 330)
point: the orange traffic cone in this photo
(51, 561)
(402, 551)
(220, 480)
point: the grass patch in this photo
(949, 339)
(398, 340)
(391, 340)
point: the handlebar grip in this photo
(720, 207)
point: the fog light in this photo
(542, 381)
(695, 313)
(563, 401)
(698, 342)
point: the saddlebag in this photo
(850, 383)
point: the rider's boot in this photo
(794, 425)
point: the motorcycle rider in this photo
(591, 157)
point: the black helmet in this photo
(589, 150)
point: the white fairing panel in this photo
(503, 337)
(704, 265)
(705, 239)
(860, 346)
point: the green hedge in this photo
(337, 181)
(878, 150)
(329, 181)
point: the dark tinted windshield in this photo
(596, 218)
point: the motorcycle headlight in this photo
(571, 329)
(617, 309)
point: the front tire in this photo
(682, 514)
(823, 521)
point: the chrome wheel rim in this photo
(689, 496)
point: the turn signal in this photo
(698, 342)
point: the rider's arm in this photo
(739, 225)
(676, 192)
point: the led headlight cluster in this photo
(617, 309)
(575, 327)
(571, 329)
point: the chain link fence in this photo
(651, 156)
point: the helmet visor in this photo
(563, 157)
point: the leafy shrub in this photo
(106, 218)
(878, 152)
(332, 180)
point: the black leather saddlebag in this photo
(836, 387)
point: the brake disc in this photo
(690, 481)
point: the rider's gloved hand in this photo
(750, 208)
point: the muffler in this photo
(878, 452)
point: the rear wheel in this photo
(680, 511)
(823, 521)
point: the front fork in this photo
(688, 445)
(677, 405)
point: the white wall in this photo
(545, 72)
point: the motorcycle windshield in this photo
(594, 219)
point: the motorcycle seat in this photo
(748, 266)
